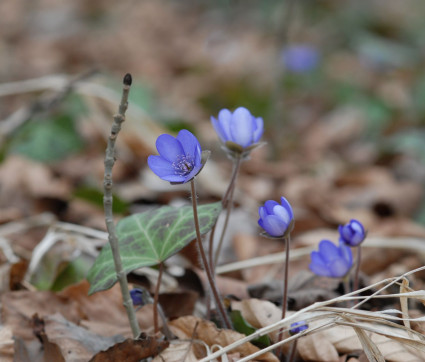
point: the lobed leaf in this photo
(149, 238)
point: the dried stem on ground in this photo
(119, 118)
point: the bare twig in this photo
(42, 104)
(119, 118)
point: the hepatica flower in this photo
(180, 159)
(239, 131)
(300, 58)
(331, 260)
(352, 233)
(298, 327)
(276, 219)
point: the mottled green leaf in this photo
(149, 238)
(46, 140)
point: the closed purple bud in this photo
(298, 327)
(136, 295)
(180, 158)
(352, 233)
(276, 219)
(331, 260)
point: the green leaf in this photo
(149, 238)
(47, 140)
(242, 326)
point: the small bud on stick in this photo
(127, 79)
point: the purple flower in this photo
(352, 233)
(276, 219)
(298, 327)
(180, 158)
(331, 260)
(136, 295)
(239, 130)
(300, 58)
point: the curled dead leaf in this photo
(206, 331)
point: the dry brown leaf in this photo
(177, 352)
(316, 347)
(131, 350)
(206, 331)
(75, 342)
(6, 344)
(259, 313)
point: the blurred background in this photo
(340, 86)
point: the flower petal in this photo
(282, 213)
(328, 250)
(258, 129)
(269, 205)
(274, 225)
(262, 212)
(218, 129)
(160, 166)
(317, 266)
(193, 173)
(338, 268)
(345, 252)
(189, 143)
(225, 119)
(285, 203)
(169, 147)
(241, 127)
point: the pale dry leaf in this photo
(206, 331)
(259, 313)
(177, 352)
(76, 343)
(316, 347)
(6, 344)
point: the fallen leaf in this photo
(177, 351)
(206, 331)
(76, 343)
(6, 344)
(131, 350)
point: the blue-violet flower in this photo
(180, 158)
(352, 233)
(136, 295)
(239, 131)
(331, 260)
(300, 58)
(298, 327)
(276, 219)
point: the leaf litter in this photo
(336, 167)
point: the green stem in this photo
(156, 297)
(220, 308)
(119, 118)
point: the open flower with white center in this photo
(180, 158)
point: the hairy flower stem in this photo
(155, 300)
(119, 118)
(220, 308)
(285, 289)
(227, 203)
(357, 270)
